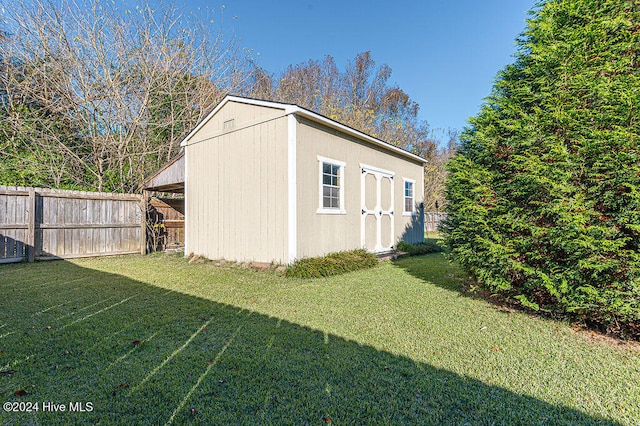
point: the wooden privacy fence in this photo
(432, 220)
(37, 223)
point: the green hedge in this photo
(428, 246)
(544, 193)
(331, 264)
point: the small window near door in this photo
(409, 197)
(331, 186)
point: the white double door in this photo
(377, 209)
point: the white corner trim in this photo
(292, 187)
(342, 165)
(186, 203)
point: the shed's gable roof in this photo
(310, 115)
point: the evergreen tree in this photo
(544, 201)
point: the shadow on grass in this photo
(433, 269)
(144, 355)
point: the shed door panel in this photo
(377, 209)
(371, 188)
(371, 232)
(386, 231)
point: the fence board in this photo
(67, 224)
(23, 240)
(49, 213)
(115, 213)
(432, 220)
(10, 234)
(3, 220)
(38, 218)
(95, 240)
(58, 208)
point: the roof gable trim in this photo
(353, 132)
(230, 98)
(295, 109)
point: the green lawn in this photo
(153, 340)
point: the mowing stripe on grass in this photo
(51, 283)
(68, 302)
(8, 281)
(17, 361)
(13, 269)
(203, 375)
(269, 346)
(48, 309)
(83, 309)
(98, 312)
(112, 335)
(170, 357)
(123, 329)
(130, 352)
(6, 334)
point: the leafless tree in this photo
(97, 94)
(102, 94)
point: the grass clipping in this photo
(331, 264)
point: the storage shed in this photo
(274, 182)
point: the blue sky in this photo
(444, 54)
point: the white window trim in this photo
(413, 203)
(341, 164)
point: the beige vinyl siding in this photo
(236, 186)
(323, 233)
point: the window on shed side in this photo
(330, 186)
(409, 198)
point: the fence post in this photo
(143, 222)
(31, 227)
